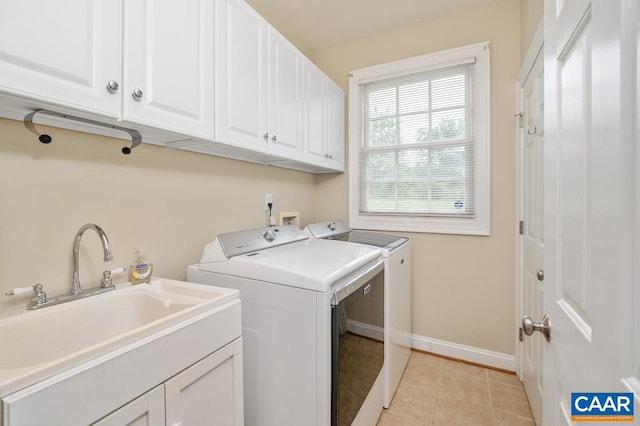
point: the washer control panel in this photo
(330, 229)
(243, 242)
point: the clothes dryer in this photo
(396, 251)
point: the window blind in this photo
(417, 150)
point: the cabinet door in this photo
(314, 129)
(168, 65)
(147, 410)
(285, 96)
(209, 392)
(240, 76)
(64, 53)
(335, 126)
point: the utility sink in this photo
(37, 344)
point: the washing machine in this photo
(301, 366)
(396, 251)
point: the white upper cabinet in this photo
(335, 126)
(64, 53)
(323, 122)
(208, 76)
(315, 88)
(149, 65)
(285, 97)
(258, 83)
(240, 76)
(168, 65)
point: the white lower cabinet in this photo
(209, 392)
(146, 410)
(189, 373)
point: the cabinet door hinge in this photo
(520, 120)
(520, 334)
(521, 227)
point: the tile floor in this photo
(436, 391)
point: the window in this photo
(419, 143)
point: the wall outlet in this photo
(268, 198)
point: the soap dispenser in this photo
(141, 268)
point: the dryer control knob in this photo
(332, 226)
(269, 235)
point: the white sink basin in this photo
(39, 343)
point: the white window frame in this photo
(480, 223)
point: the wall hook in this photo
(136, 137)
(535, 130)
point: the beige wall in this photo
(463, 286)
(171, 202)
(530, 17)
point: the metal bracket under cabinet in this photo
(136, 137)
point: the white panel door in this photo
(146, 410)
(532, 233)
(335, 126)
(314, 128)
(285, 97)
(591, 201)
(64, 53)
(240, 76)
(209, 392)
(168, 65)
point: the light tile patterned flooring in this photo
(436, 391)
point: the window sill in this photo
(433, 225)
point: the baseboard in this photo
(441, 347)
(464, 353)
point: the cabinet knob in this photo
(266, 137)
(274, 138)
(137, 94)
(112, 86)
(328, 157)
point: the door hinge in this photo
(521, 227)
(520, 334)
(520, 123)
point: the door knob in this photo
(528, 326)
(137, 94)
(112, 86)
(540, 275)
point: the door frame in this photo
(535, 49)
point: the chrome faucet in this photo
(39, 297)
(75, 285)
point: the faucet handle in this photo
(39, 296)
(20, 290)
(106, 281)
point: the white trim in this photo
(464, 352)
(480, 225)
(441, 347)
(535, 48)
